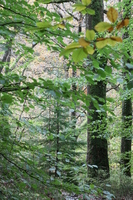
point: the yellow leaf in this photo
(101, 43)
(117, 39)
(90, 35)
(112, 14)
(62, 26)
(125, 22)
(86, 2)
(83, 42)
(110, 29)
(102, 26)
(73, 45)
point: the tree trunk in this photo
(97, 147)
(126, 111)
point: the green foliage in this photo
(42, 149)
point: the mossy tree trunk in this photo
(126, 108)
(97, 147)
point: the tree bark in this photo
(97, 147)
(126, 140)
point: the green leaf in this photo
(90, 35)
(66, 52)
(101, 72)
(90, 50)
(86, 2)
(79, 7)
(102, 26)
(90, 11)
(43, 25)
(6, 98)
(79, 55)
(73, 45)
(108, 69)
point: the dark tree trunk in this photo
(126, 111)
(126, 136)
(97, 147)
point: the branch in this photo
(116, 87)
(16, 12)
(20, 22)
(21, 169)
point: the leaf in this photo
(112, 15)
(129, 66)
(6, 98)
(79, 7)
(86, 2)
(65, 52)
(73, 45)
(62, 26)
(90, 11)
(102, 26)
(130, 84)
(101, 43)
(101, 72)
(90, 35)
(89, 50)
(110, 29)
(79, 54)
(43, 25)
(123, 23)
(117, 39)
(83, 42)
(108, 69)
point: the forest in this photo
(66, 91)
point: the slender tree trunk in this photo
(126, 111)
(97, 147)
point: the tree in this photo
(97, 147)
(126, 139)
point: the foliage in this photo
(42, 151)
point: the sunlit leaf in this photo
(73, 45)
(66, 52)
(117, 39)
(90, 35)
(90, 50)
(83, 42)
(79, 54)
(112, 14)
(102, 26)
(101, 43)
(79, 7)
(90, 11)
(110, 29)
(123, 23)
(62, 26)
(86, 2)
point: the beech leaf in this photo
(79, 54)
(86, 2)
(90, 35)
(102, 26)
(112, 15)
(83, 42)
(123, 23)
